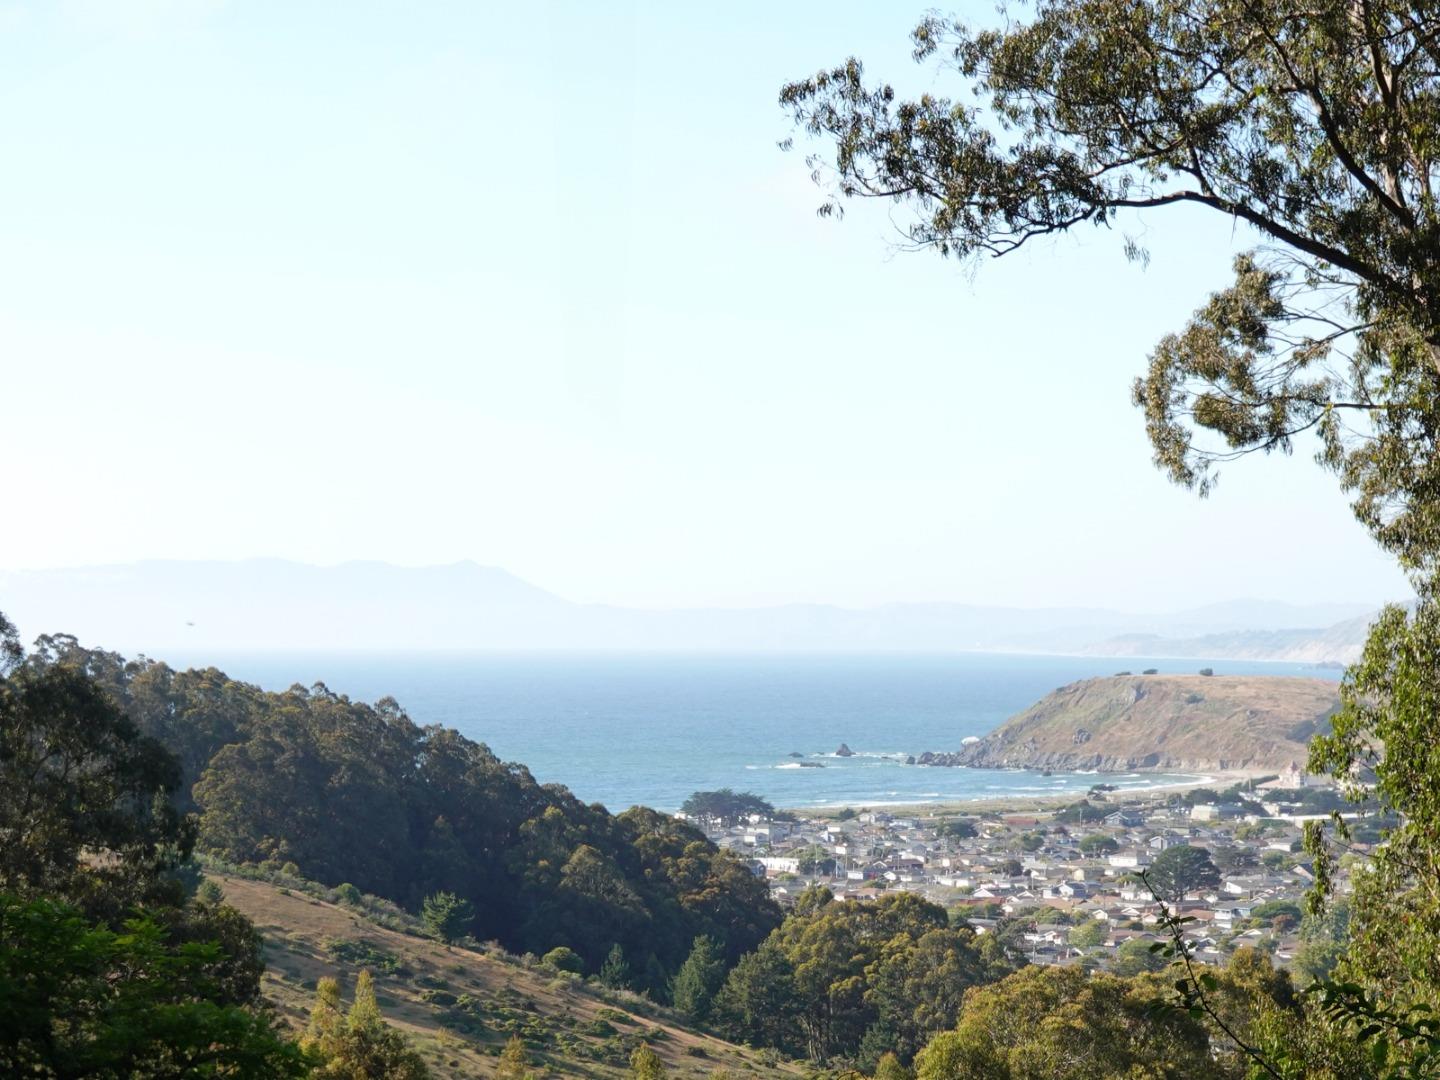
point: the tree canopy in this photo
(80, 777)
(92, 983)
(726, 806)
(856, 979)
(1318, 127)
(357, 1042)
(358, 793)
(1181, 869)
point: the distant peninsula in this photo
(1173, 722)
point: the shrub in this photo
(563, 958)
(347, 894)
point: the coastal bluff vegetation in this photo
(1126, 722)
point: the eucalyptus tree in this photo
(1316, 127)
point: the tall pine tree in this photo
(699, 979)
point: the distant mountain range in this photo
(265, 604)
(1340, 643)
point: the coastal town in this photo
(1077, 882)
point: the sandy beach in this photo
(1046, 803)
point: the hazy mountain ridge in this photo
(1340, 643)
(275, 604)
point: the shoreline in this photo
(1042, 803)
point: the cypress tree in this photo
(699, 979)
(615, 972)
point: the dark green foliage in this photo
(358, 794)
(1324, 936)
(699, 979)
(1391, 700)
(562, 958)
(77, 999)
(77, 775)
(834, 970)
(447, 917)
(209, 892)
(363, 954)
(615, 972)
(958, 829)
(193, 713)
(1098, 844)
(759, 1003)
(347, 893)
(726, 807)
(87, 815)
(1181, 869)
(235, 968)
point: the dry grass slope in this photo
(1164, 722)
(460, 1006)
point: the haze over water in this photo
(624, 729)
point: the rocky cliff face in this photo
(1171, 722)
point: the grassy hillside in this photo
(459, 1006)
(1161, 722)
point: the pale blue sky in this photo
(532, 285)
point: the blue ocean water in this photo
(624, 728)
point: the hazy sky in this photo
(531, 284)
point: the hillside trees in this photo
(81, 999)
(699, 979)
(359, 794)
(855, 979)
(192, 713)
(358, 1043)
(105, 968)
(758, 1002)
(447, 917)
(1388, 729)
(79, 777)
(1050, 1021)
